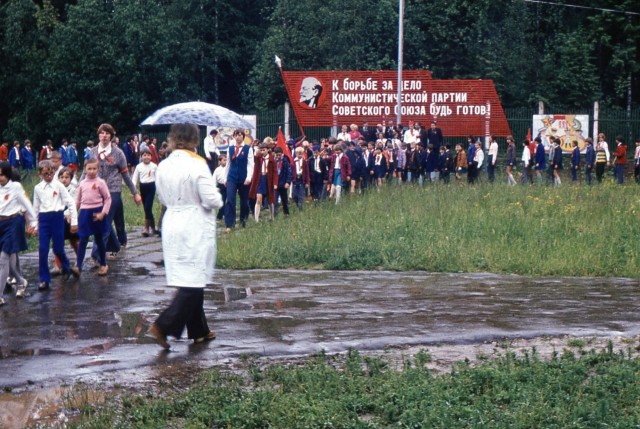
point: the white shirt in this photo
(219, 176)
(298, 162)
(13, 199)
(493, 152)
(411, 136)
(73, 192)
(605, 146)
(144, 173)
(526, 155)
(344, 137)
(210, 145)
(265, 164)
(337, 165)
(53, 197)
(479, 157)
(185, 186)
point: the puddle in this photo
(90, 329)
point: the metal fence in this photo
(612, 122)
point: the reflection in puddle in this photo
(6, 353)
(98, 363)
(236, 293)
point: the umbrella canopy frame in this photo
(197, 113)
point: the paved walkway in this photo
(94, 329)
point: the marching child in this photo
(145, 173)
(220, 178)
(66, 178)
(339, 172)
(93, 201)
(50, 198)
(300, 177)
(12, 201)
(264, 180)
(283, 171)
(379, 167)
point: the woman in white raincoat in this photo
(185, 186)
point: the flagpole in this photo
(278, 61)
(400, 60)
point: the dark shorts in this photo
(262, 186)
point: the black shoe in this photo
(43, 286)
(243, 223)
(66, 274)
(145, 234)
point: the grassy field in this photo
(587, 389)
(540, 231)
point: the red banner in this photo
(335, 98)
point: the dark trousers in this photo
(619, 173)
(574, 173)
(298, 193)
(148, 194)
(186, 309)
(223, 192)
(101, 252)
(111, 240)
(636, 172)
(491, 171)
(316, 186)
(472, 172)
(587, 174)
(50, 229)
(242, 190)
(118, 218)
(600, 171)
(283, 193)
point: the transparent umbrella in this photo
(198, 113)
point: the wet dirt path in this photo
(93, 330)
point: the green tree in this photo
(24, 30)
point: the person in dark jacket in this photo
(540, 160)
(589, 160)
(557, 162)
(575, 161)
(283, 171)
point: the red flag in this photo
(529, 134)
(283, 144)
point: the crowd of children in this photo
(351, 162)
(264, 175)
(67, 209)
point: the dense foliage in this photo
(69, 65)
